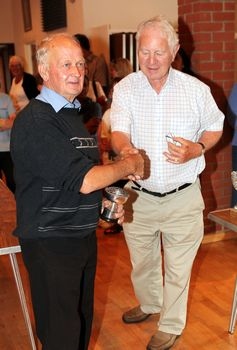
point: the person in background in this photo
(7, 117)
(173, 118)
(59, 184)
(90, 110)
(91, 113)
(24, 85)
(108, 156)
(119, 69)
(97, 68)
(232, 119)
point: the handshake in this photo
(133, 161)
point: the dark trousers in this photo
(62, 273)
(6, 166)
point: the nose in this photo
(152, 58)
(76, 70)
(79, 72)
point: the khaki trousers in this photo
(163, 236)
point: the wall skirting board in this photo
(219, 236)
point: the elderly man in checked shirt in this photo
(174, 119)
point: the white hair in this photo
(48, 43)
(17, 60)
(165, 27)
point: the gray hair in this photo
(47, 44)
(17, 59)
(165, 27)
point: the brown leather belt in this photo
(158, 194)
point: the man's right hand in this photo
(136, 162)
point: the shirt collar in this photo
(56, 100)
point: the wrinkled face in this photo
(65, 70)
(154, 55)
(16, 68)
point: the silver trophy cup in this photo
(116, 195)
(234, 183)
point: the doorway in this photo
(6, 50)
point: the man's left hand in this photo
(119, 210)
(182, 150)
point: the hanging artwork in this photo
(26, 15)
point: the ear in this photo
(175, 50)
(43, 71)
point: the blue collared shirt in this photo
(55, 100)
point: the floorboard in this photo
(210, 300)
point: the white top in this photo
(184, 108)
(17, 93)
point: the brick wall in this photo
(206, 31)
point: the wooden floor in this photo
(210, 301)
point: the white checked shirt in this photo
(184, 107)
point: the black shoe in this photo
(114, 229)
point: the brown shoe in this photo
(162, 341)
(135, 315)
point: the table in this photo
(227, 218)
(9, 245)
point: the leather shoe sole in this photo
(162, 341)
(135, 315)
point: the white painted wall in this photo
(82, 16)
(6, 22)
(126, 14)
